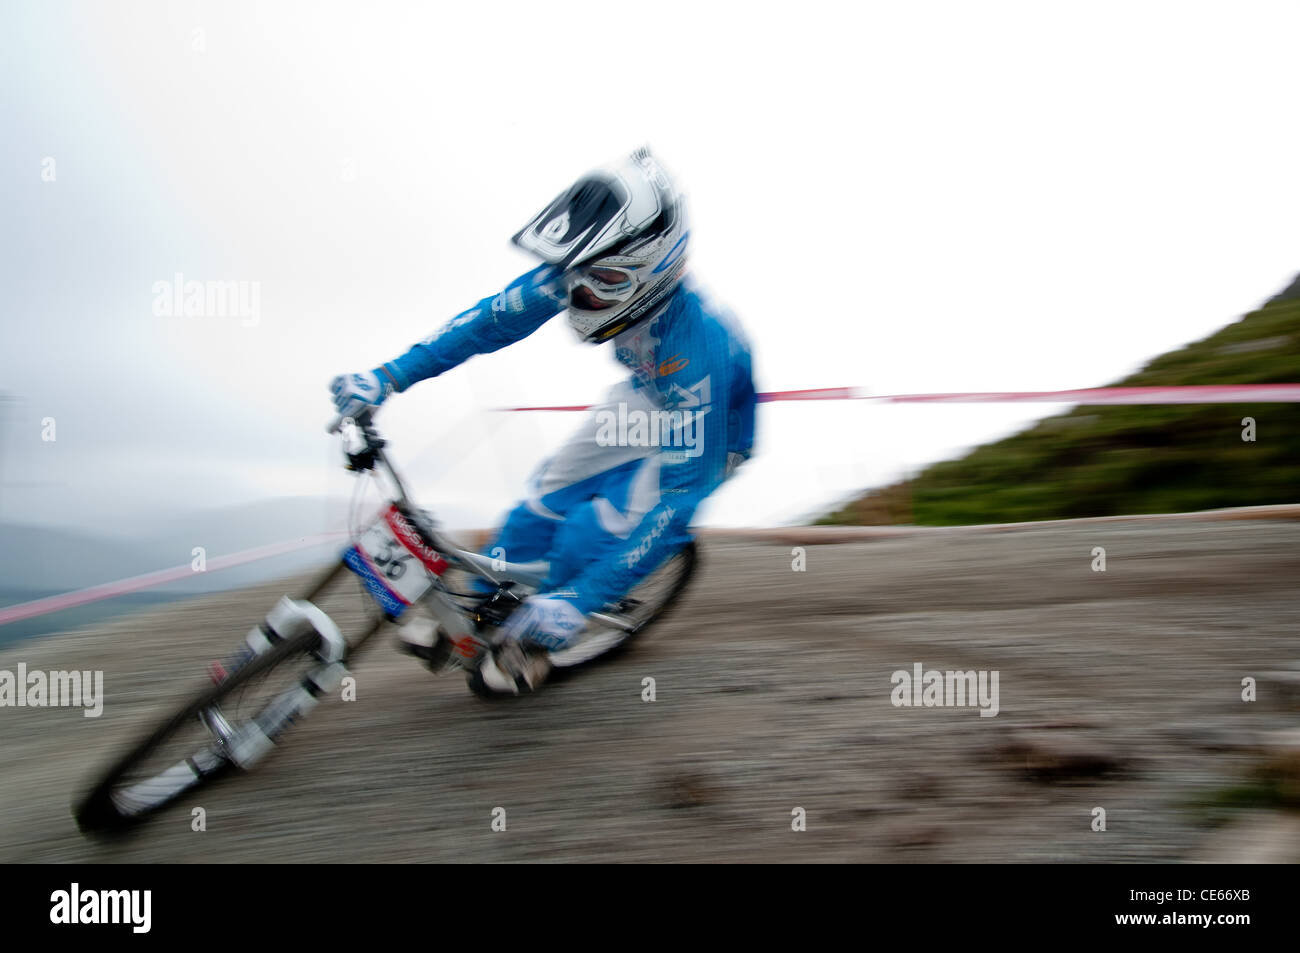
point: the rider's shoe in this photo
(509, 669)
(425, 639)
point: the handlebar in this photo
(361, 418)
(369, 454)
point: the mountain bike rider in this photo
(608, 508)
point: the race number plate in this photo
(394, 561)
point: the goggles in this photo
(600, 286)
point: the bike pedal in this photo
(426, 641)
(436, 659)
(527, 670)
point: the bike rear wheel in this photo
(646, 604)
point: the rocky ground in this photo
(1118, 689)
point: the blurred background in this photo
(904, 198)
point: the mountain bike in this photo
(300, 654)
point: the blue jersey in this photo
(690, 358)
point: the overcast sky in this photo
(904, 197)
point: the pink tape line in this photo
(66, 600)
(1188, 394)
(1192, 394)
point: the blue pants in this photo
(583, 501)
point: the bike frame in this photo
(401, 559)
(513, 581)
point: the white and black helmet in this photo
(620, 235)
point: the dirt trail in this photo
(1118, 690)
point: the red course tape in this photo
(1188, 394)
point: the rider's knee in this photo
(526, 535)
(580, 539)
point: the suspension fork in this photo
(321, 583)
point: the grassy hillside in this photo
(1100, 461)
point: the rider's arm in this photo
(529, 302)
(684, 481)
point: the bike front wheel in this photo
(232, 724)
